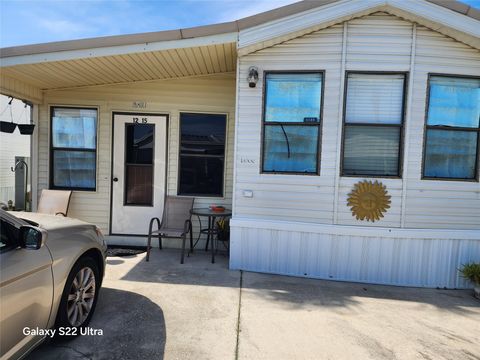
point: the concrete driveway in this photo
(200, 310)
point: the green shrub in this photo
(471, 272)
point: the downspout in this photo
(34, 145)
(235, 129)
(14, 169)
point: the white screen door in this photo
(139, 171)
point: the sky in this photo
(34, 21)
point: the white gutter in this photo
(119, 50)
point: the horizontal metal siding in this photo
(214, 93)
(421, 261)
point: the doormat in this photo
(122, 251)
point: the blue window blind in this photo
(292, 122)
(73, 148)
(454, 102)
(452, 132)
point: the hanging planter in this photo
(26, 129)
(7, 127)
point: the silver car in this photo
(51, 272)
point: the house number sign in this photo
(139, 104)
(142, 120)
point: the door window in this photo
(139, 145)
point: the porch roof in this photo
(28, 70)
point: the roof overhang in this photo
(123, 63)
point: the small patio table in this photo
(210, 230)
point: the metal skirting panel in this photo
(404, 261)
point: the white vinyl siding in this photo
(211, 94)
(378, 42)
(430, 203)
(293, 197)
(19, 89)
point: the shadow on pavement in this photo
(164, 267)
(133, 328)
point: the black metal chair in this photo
(175, 223)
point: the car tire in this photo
(79, 298)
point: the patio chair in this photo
(175, 223)
(54, 202)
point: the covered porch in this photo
(123, 121)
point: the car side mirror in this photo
(30, 237)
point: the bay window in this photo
(452, 128)
(73, 151)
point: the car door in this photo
(26, 290)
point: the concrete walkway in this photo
(199, 310)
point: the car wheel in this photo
(80, 295)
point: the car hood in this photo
(51, 222)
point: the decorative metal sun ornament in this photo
(369, 200)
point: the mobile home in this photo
(344, 135)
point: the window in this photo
(291, 123)
(452, 128)
(202, 154)
(373, 124)
(139, 147)
(73, 148)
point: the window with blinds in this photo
(452, 128)
(291, 124)
(73, 148)
(374, 112)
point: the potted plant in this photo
(471, 272)
(26, 129)
(7, 126)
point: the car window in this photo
(8, 236)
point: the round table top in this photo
(209, 212)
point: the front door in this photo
(139, 171)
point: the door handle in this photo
(115, 179)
